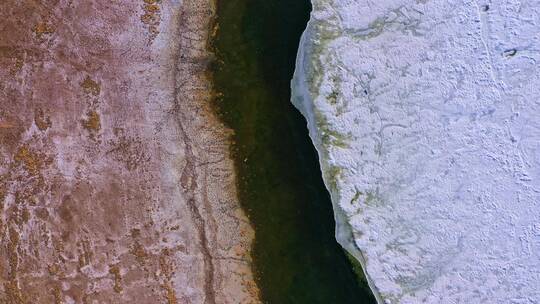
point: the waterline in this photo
(296, 257)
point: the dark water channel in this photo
(296, 257)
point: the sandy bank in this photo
(116, 183)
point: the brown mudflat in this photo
(116, 183)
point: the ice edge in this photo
(302, 100)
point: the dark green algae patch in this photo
(295, 254)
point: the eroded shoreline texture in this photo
(425, 116)
(116, 184)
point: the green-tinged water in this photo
(296, 257)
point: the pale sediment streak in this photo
(427, 122)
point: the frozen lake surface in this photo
(426, 116)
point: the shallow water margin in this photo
(296, 257)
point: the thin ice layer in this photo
(426, 115)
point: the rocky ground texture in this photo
(116, 184)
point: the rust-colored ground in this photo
(116, 184)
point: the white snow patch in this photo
(426, 116)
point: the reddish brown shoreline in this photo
(116, 181)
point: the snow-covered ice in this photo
(426, 116)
